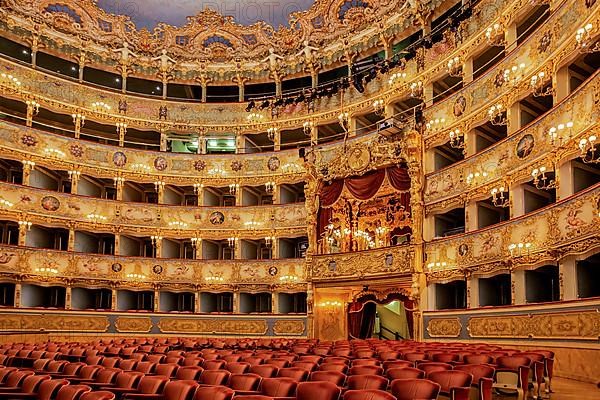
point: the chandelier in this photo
(556, 133)
(396, 77)
(457, 139)
(435, 125)
(519, 249)
(515, 74)
(307, 127)
(541, 180)
(539, 85)
(270, 187)
(101, 106)
(587, 148)
(272, 133)
(497, 116)
(455, 67)
(585, 40)
(494, 35)
(379, 107)
(416, 90)
(499, 199)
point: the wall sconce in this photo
(78, 119)
(198, 187)
(178, 224)
(159, 185)
(136, 277)
(396, 77)
(255, 117)
(100, 106)
(330, 304)
(416, 90)
(499, 199)
(196, 241)
(213, 279)
(34, 105)
(476, 177)
(379, 107)
(269, 241)
(457, 139)
(5, 203)
(74, 174)
(437, 265)
(307, 127)
(541, 180)
(140, 168)
(497, 115)
(435, 125)
(289, 279)
(584, 38)
(455, 67)
(12, 81)
(587, 147)
(233, 188)
(556, 133)
(54, 153)
(119, 181)
(343, 119)
(232, 241)
(519, 249)
(539, 85)
(47, 270)
(25, 225)
(270, 187)
(28, 164)
(217, 171)
(121, 126)
(272, 133)
(494, 35)
(291, 168)
(155, 240)
(515, 74)
(96, 218)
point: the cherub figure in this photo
(307, 52)
(165, 60)
(272, 58)
(125, 53)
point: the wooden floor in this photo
(567, 389)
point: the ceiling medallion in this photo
(359, 159)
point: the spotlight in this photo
(250, 106)
(278, 102)
(358, 84)
(289, 100)
(427, 43)
(265, 104)
(385, 67)
(300, 98)
(344, 83)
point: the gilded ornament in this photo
(444, 327)
(292, 327)
(133, 324)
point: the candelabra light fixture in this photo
(28, 163)
(379, 107)
(416, 90)
(272, 133)
(290, 168)
(497, 115)
(47, 270)
(539, 85)
(101, 106)
(587, 148)
(118, 181)
(252, 224)
(196, 241)
(255, 117)
(343, 119)
(476, 177)
(155, 240)
(233, 188)
(5, 203)
(213, 279)
(396, 77)
(457, 139)
(11, 81)
(269, 241)
(288, 279)
(515, 74)
(330, 303)
(435, 125)
(217, 171)
(54, 153)
(494, 35)
(438, 265)
(25, 224)
(270, 187)
(78, 118)
(232, 241)
(560, 133)
(307, 127)
(541, 179)
(455, 67)
(136, 276)
(198, 188)
(96, 217)
(500, 197)
(159, 185)
(35, 106)
(141, 168)
(519, 249)
(73, 174)
(178, 224)
(586, 42)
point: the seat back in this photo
(343, 368)
(128, 379)
(56, 366)
(214, 393)
(298, 374)
(278, 387)
(98, 395)
(360, 382)
(478, 371)
(214, 377)
(152, 384)
(180, 390)
(48, 389)
(365, 370)
(368, 394)
(189, 373)
(32, 383)
(317, 390)
(17, 377)
(72, 368)
(72, 392)
(89, 371)
(409, 389)
(405, 373)
(335, 377)
(478, 359)
(245, 382)
(451, 379)
(107, 375)
(237, 367)
(213, 364)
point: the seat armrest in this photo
(247, 392)
(460, 393)
(485, 388)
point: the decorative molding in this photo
(291, 327)
(11, 322)
(134, 324)
(444, 327)
(214, 326)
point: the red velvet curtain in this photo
(398, 178)
(330, 193)
(359, 314)
(366, 186)
(323, 219)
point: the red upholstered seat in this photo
(214, 377)
(237, 367)
(298, 374)
(253, 397)
(189, 373)
(213, 393)
(397, 364)
(98, 395)
(173, 390)
(278, 387)
(265, 370)
(430, 367)
(455, 384)
(213, 364)
(389, 355)
(365, 361)
(30, 384)
(335, 377)
(360, 382)
(72, 392)
(482, 379)
(478, 359)
(368, 394)
(410, 389)
(415, 356)
(317, 390)
(244, 382)
(343, 368)
(366, 370)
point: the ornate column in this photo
(239, 80)
(310, 329)
(27, 168)
(277, 141)
(236, 301)
(79, 122)
(119, 183)
(156, 298)
(121, 131)
(163, 138)
(68, 300)
(275, 249)
(18, 287)
(71, 240)
(160, 190)
(201, 141)
(113, 300)
(35, 45)
(33, 107)
(81, 61)
(74, 176)
(203, 80)
(23, 228)
(117, 234)
(567, 278)
(239, 143)
(274, 302)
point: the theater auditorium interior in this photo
(299, 200)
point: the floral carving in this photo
(76, 150)
(444, 327)
(236, 165)
(29, 140)
(199, 165)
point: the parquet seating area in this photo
(264, 369)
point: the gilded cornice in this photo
(505, 165)
(391, 261)
(20, 264)
(210, 45)
(68, 97)
(569, 227)
(60, 209)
